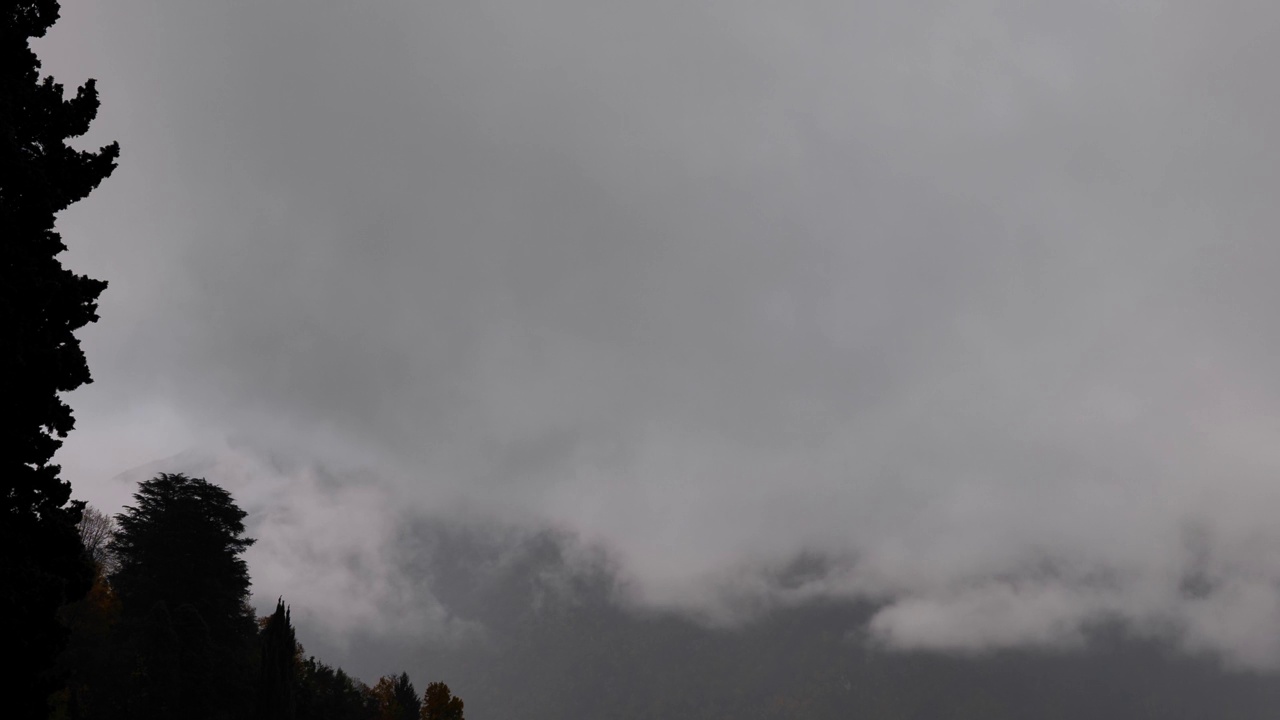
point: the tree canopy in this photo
(185, 595)
(397, 699)
(42, 304)
(181, 544)
(438, 703)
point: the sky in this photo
(965, 307)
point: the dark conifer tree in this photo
(277, 671)
(42, 304)
(326, 693)
(179, 547)
(396, 698)
(181, 544)
(406, 698)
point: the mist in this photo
(958, 311)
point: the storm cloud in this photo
(971, 302)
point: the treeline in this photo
(167, 630)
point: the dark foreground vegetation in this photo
(167, 631)
(42, 304)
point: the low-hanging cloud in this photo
(973, 299)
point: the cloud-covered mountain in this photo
(532, 622)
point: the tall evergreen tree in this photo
(397, 699)
(181, 544)
(406, 698)
(277, 671)
(179, 548)
(42, 304)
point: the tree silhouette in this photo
(326, 693)
(440, 704)
(277, 678)
(96, 530)
(179, 575)
(397, 699)
(181, 544)
(42, 304)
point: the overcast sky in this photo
(975, 300)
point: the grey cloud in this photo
(953, 290)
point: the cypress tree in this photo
(278, 669)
